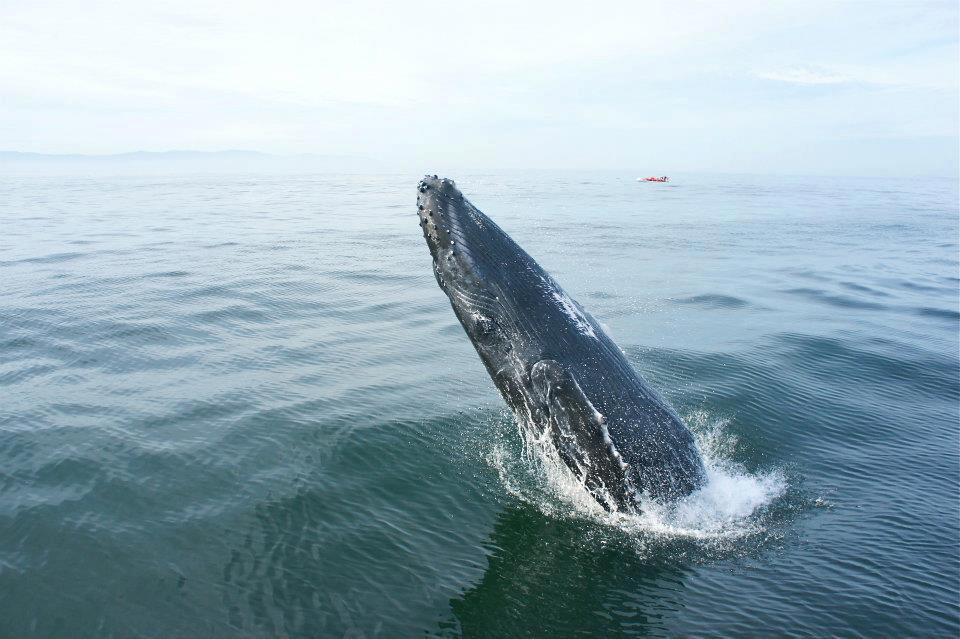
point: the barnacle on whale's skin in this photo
(553, 363)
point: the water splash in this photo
(729, 506)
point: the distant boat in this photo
(654, 179)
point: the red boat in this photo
(654, 179)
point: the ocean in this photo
(239, 405)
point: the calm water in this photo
(241, 406)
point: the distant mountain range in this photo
(231, 161)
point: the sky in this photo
(807, 87)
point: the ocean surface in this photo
(241, 406)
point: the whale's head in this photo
(492, 283)
(463, 242)
(471, 255)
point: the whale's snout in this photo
(468, 249)
(438, 201)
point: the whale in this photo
(556, 367)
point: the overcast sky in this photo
(862, 88)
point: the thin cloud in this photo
(805, 76)
(530, 85)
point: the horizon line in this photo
(388, 167)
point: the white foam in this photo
(570, 308)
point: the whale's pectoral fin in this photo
(579, 433)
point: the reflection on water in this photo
(565, 577)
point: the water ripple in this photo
(229, 409)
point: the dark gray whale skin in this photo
(555, 366)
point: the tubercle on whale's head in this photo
(448, 220)
(435, 199)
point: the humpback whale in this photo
(554, 365)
